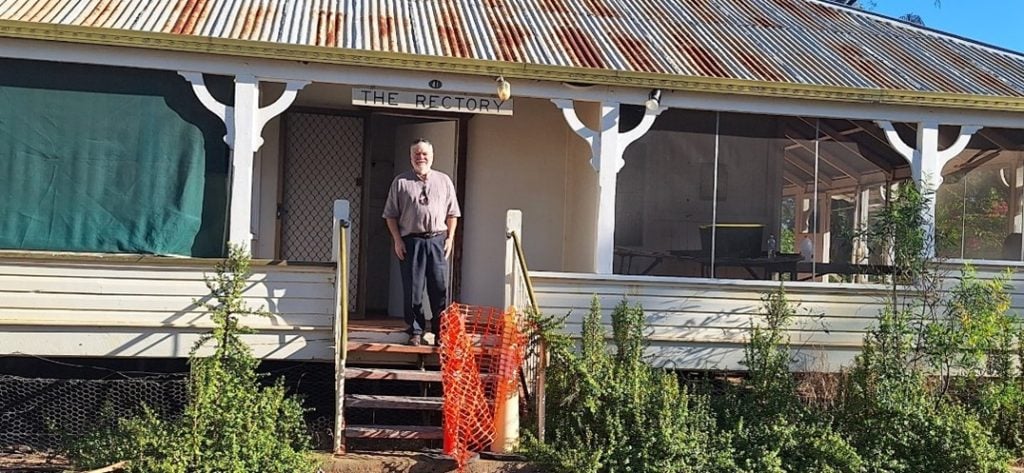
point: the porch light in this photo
(653, 100)
(504, 89)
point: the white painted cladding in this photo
(102, 309)
(703, 324)
(123, 309)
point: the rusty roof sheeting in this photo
(802, 42)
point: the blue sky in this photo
(996, 22)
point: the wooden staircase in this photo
(385, 369)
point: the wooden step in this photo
(393, 348)
(394, 432)
(393, 374)
(424, 349)
(393, 402)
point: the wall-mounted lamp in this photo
(504, 89)
(653, 100)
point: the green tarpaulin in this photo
(103, 159)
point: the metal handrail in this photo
(541, 345)
(341, 335)
(526, 272)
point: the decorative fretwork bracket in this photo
(606, 147)
(927, 160)
(244, 122)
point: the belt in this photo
(425, 234)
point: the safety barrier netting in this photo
(481, 353)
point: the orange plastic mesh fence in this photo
(481, 353)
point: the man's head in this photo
(421, 156)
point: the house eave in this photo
(442, 64)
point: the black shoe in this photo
(416, 340)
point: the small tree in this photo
(889, 411)
(231, 423)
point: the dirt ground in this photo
(356, 462)
(25, 461)
(416, 462)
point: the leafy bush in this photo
(231, 424)
(971, 328)
(1001, 409)
(612, 412)
(770, 429)
(1000, 398)
(897, 424)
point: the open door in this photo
(391, 137)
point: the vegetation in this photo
(231, 423)
(610, 411)
(938, 386)
(770, 428)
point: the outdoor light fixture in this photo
(504, 89)
(653, 100)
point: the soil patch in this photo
(27, 461)
(418, 462)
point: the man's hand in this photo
(400, 249)
(448, 245)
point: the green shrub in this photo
(897, 424)
(959, 343)
(231, 424)
(1000, 398)
(925, 438)
(1001, 409)
(769, 428)
(781, 445)
(611, 412)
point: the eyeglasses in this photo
(424, 200)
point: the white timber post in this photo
(506, 411)
(926, 163)
(513, 224)
(244, 122)
(606, 145)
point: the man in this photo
(421, 213)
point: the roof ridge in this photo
(919, 28)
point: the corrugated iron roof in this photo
(796, 42)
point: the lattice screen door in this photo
(323, 162)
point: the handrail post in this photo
(340, 238)
(506, 410)
(516, 270)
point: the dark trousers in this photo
(424, 266)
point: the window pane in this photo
(978, 209)
(664, 195)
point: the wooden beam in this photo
(793, 178)
(800, 165)
(975, 161)
(998, 139)
(835, 162)
(879, 147)
(837, 137)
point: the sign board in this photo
(430, 101)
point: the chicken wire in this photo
(40, 412)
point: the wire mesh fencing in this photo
(41, 413)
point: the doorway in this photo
(389, 140)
